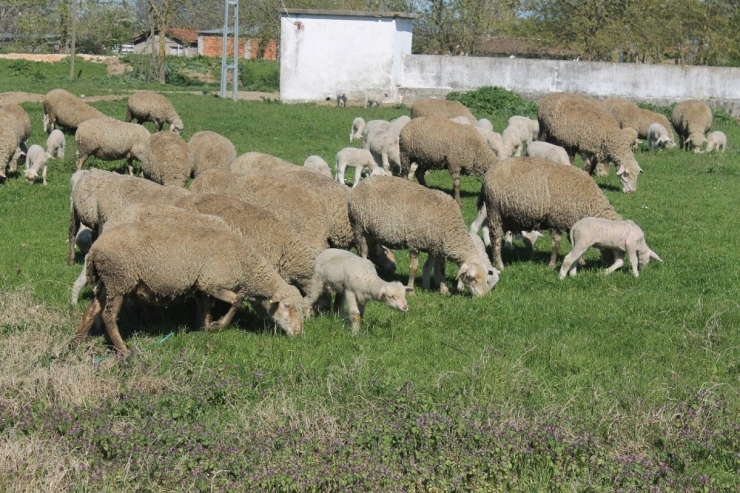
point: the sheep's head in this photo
(474, 276)
(393, 294)
(696, 140)
(287, 311)
(644, 254)
(627, 171)
(383, 257)
(31, 175)
(177, 126)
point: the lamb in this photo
(148, 106)
(401, 214)
(360, 128)
(441, 108)
(341, 99)
(354, 280)
(55, 144)
(658, 138)
(355, 131)
(437, 143)
(36, 160)
(494, 141)
(524, 194)
(10, 140)
(520, 132)
(63, 108)
(485, 124)
(174, 260)
(355, 158)
(83, 241)
(110, 140)
(580, 124)
(605, 234)
(716, 141)
(374, 99)
(629, 115)
(167, 159)
(209, 150)
(383, 146)
(396, 125)
(317, 164)
(551, 152)
(692, 119)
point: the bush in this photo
(495, 101)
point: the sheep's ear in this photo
(463, 269)
(621, 170)
(275, 299)
(654, 255)
(408, 289)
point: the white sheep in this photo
(462, 120)
(360, 128)
(148, 106)
(383, 146)
(481, 223)
(358, 159)
(55, 144)
(605, 234)
(521, 131)
(354, 280)
(716, 141)
(485, 124)
(658, 137)
(493, 273)
(396, 125)
(548, 151)
(374, 99)
(494, 141)
(36, 159)
(317, 164)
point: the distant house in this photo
(178, 42)
(210, 43)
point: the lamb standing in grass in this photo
(36, 160)
(605, 234)
(374, 99)
(210, 150)
(520, 131)
(341, 99)
(658, 138)
(55, 144)
(383, 146)
(397, 125)
(359, 159)
(317, 164)
(354, 280)
(147, 106)
(716, 141)
(692, 119)
(110, 140)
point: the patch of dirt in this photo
(19, 97)
(199, 76)
(27, 97)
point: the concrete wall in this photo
(660, 84)
(322, 54)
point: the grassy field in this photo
(589, 384)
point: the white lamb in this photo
(383, 146)
(485, 124)
(354, 280)
(396, 125)
(615, 236)
(521, 131)
(374, 99)
(359, 159)
(716, 141)
(360, 128)
(494, 140)
(341, 99)
(493, 273)
(545, 150)
(658, 137)
(36, 159)
(55, 144)
(481, 222)
(317, 164)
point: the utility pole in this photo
(72, 42)
(225, 66)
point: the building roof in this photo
(183, 36)
(347, 13)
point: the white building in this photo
(323, 52)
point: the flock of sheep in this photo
(260, 229)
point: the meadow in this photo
(593, 383)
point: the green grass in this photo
(593, 383)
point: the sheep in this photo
(148, 106)
(551, 152)
(317, 164)
(580, 124)
(494, 141)
(209, 150)
(110, 140)
(10, 139)
(383, 146)
(355, 131)
(442, 108)
(692, 119)
(658, 138)
(354, 158)
(401, 214)
(36, 160)
(179, 259)
(605, 234)
(23, 119)
(360, 128)
(374, 99)
(481, 222)
(166, 159)
(354, 280)
(63, 108)
(341, 99)
(485, 124)
(437, 143)
(520, 132)
(55, 144)
(396, 125)
(629, 115)
(271, 235)
(716, 141)
(524, 194)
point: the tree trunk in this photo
(161, 51)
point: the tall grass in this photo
(593, 383)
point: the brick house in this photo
(210, 43)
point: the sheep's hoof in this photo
(443, 290)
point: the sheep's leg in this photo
(79, 282)
(130, 162)
(81, 161)
(204, 305)
(439, 276)
(618, 262)
(456, 185)
(355, 314)
(508, 241)
(570, 261)
(480, 218)
(634, 261)
(427, 270)
(229, 297)
(43, 176)
(384, 158)
(74, 226)
(555, 240)
(88, 318)
(358, 175)
(419, 174)
(413, 267)
(129, 116)
(315, 290)
(110, 310)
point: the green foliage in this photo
(260, 75)
(495, 102)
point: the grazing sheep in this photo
(395, 126)
(383, 146)
(485, 124)
(355, 131)
(167, 261)
(629, 115)
(317, 164)
(167, 159)
(209, 150)
(581, 124)
(494, 141)
(10, 139)
(110, 140)
(374, 99)
(355, 158)
(658, 137)
(605, 234)
(354, 280)
(36, 160)
(147, 106)
(272, 236)
(23, 119)
(441, 108)
(401, 214)
(716, 141)
(63, 108)
(437, 143)
(692, 119)
(521, 131)
(493, 273)
(55, 144)
(551, 152)
(341, 99)
(525, 194)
